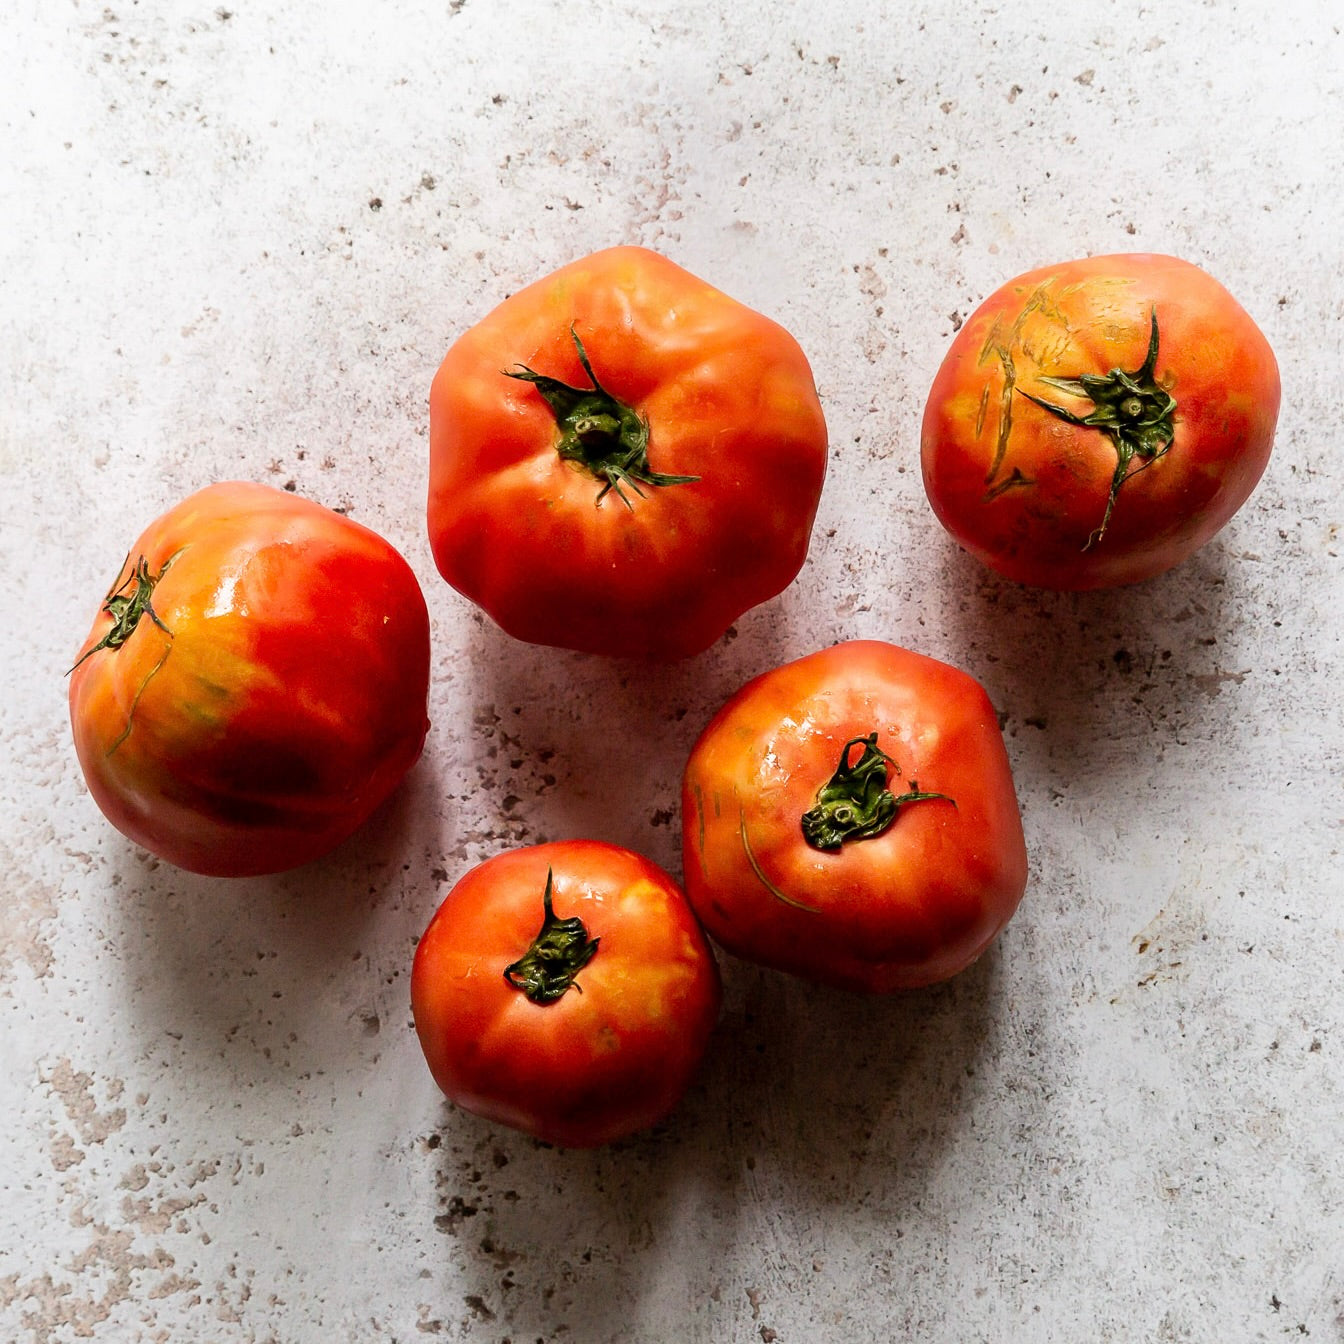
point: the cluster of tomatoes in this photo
(255, 683)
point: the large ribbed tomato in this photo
(565, 990)
(1095, 423)
(850, 817)
(623, 459)
(254, 684)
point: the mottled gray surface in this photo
(236, 244)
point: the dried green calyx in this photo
(609, 439)
(1132, 409)
(129, 600)
(561, 949)
(856, 803)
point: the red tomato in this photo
(850, 817)
(1095, 423)
(623, 460)
(254, 684)
(565, 990)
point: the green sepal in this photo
(561, 949)
(1132, 409)
(856, 804)
(127, 602)
(609, 439)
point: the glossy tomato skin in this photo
(728, 398)
(901, 909)
(1025, 489)
(615, 1052)
(272, 700)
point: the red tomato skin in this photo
(288, 702)
(729, 398)
(1089, 317)
(616, 1052)
(901, 910)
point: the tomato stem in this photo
(609, 439)
(856, 804)
(558, 953)
(1132, 409)
(126, 604)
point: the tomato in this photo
(1095, 423)
(565, 990)
(254, 684)
(623, 460)
(850, 818)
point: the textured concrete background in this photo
(236, 243)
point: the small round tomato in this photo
(565, 990)
(850, 818)
(1095, 423)
(255, 682)
(623, 460)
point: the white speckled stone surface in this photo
(236, 243)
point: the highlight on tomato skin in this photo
(255, 683)
(623, 459)
(1096, 422)
(565, 990)
(850, 818)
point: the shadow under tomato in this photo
(838, 1094)
(259, 977)
(814, 1110)
(570, 745)
(1104, 681)
(549, 1243)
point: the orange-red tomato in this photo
(565, 990)
(254, 684)
(1095, 423)
(850, 817)
(623, 459)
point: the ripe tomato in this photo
(622, 459)
(565, 990)
(254, 684)
(1095, 423)
(850, 817)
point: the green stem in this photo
(128, 601)
(609, 439)
(1133, 410)
(558, 953)
(856, 804)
